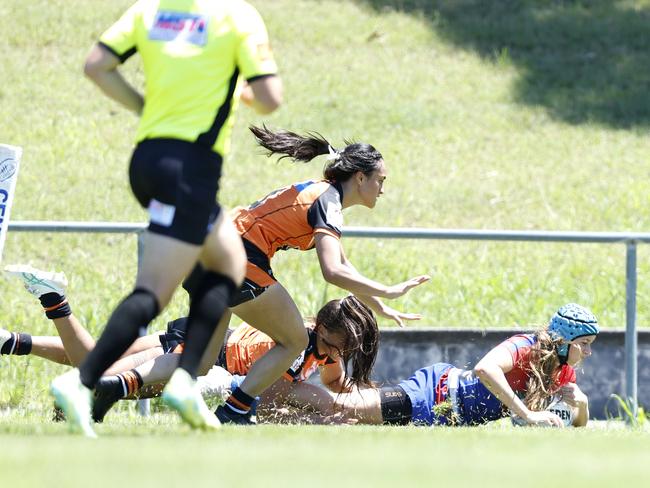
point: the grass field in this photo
(484, 116)
(491, 115)
(157, 452)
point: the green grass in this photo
(154, 451)
(491, 115)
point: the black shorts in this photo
(248, 290)
(177, 181)
(175, 336)
(260, 270)
(396, 408)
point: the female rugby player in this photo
(520, 377)
(301, 216)
(344, 333)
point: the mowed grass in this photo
(158, 451)
(488, 117)
(464, 148)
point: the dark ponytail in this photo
(356, 324)
(342, 164)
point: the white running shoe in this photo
(183, 395)
(75, 400)
(38, 282)
(217, 384)
(5, 335)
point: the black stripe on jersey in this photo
(122, 57)
(209, 137)
(259, 77)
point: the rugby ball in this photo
(562, 410)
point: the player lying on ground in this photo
(522, 376)
(343, 332)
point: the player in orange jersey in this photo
(302, 216)
(343, 342)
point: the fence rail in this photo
(630, 239)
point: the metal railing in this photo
(630, 239)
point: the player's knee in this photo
(297, 341)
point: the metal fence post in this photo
(630, 330)
(144, 405)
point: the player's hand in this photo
(544, 419)
(399, 317)
(573, 395)
(400, 289)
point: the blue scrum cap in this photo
(570, 322)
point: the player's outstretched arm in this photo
(337, 271)
(491, 371)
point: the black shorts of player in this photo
(249, 289)
(396, 408)
(175, 335)
(177, 181)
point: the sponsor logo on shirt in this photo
(169, 26)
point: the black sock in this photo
(209, 300)
(135, 311)
(239, 402)
(192, 282)
(110, 389)
(19, 344)
(55, 305)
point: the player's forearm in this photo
(348, 279)
(494, 380)
(115, 86)
(263, 95)
(583, 415)
(374, 303)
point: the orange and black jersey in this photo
(247, 344)
(244, 345)
(290, 217)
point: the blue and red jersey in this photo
(474, 403)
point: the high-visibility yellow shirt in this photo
(194, 54)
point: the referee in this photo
(200, 57)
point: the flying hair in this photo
(341, 163)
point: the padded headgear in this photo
(570, 322)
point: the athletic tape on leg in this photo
(9, 164)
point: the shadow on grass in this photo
(584, 61)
